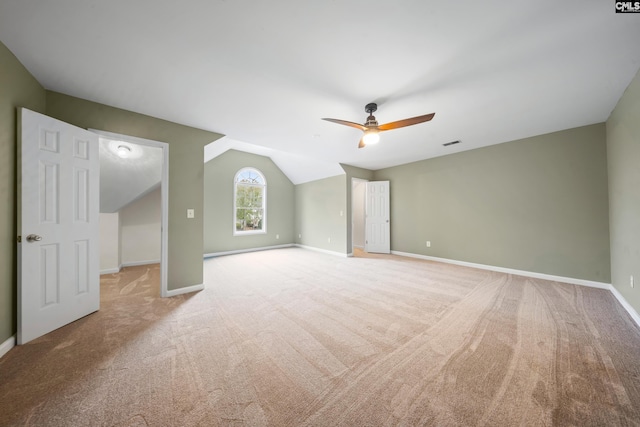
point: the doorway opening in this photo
(358, 215)
(370, 217)
(134, 180)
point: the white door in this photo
(377, 226)
(58, 214)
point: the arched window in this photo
(250, 202)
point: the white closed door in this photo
(377, 222)
(58, 224)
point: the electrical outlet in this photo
(277, 236)
(428, 243)
(631, 280)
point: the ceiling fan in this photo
(371, 128)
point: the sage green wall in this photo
(353, 172)
(317, 214)
(218, 203)
(18, 88)
(623, 154)
(538, 204)
(186, 173)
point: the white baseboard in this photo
(242, 251)
(128, 264)
(7, 345)
(185, 290)
(137, 263)
(324, 251)
(110, 271)
(624, 303)
(580, 282)
(525, 273)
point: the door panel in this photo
(378, 226)
(58, 271)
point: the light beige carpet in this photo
(296, 338)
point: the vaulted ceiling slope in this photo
(298, 168)
(127, 177)
(265, 73)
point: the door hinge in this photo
(19, 239)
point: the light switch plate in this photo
(191, 213)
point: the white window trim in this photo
(264, 204)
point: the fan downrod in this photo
(371, 108)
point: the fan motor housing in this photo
(371, 108)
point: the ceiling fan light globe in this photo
(371, 137)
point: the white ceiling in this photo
(125, 180)
(265, 73)
(298, 168)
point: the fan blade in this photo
(406, 122)
(346, 123)
(361, 144)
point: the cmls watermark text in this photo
(628, 7)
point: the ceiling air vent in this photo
(446, 144)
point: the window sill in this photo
(247, 233)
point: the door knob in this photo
(33, 238)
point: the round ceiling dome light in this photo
(123, 151)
